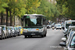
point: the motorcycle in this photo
(52, 28)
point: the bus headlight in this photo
(41, 30)
(25, 30)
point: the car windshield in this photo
(72, 45)
(20, 28)
(12, 28)
(8, 28)
(52, 23)
(16, 28)
(4, 28)
(59, 25)
(71, 24)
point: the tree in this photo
(68, 8)
(48, 9)
(31, 6)
(3, 6)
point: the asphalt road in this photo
(51, 42)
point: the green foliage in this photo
(48, 9)
(68, 8)
(21, 7)
(3, 5)
(32, 5)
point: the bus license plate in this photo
(32, 34)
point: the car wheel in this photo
(29, 36)
(19, 34)
(14, 35)
(3, 36)
(6, 36)
(10, 35)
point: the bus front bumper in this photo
(32, 33)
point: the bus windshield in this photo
(33, 21)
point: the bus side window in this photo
(44, 22)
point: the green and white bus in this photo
(34, 24)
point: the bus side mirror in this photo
(22, 19)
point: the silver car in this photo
(13, 32)
(70, 42)
(17, 30)
(9, 31)
(3, 32)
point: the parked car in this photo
(17, 30)
(70, 42)
(9, 28)
(21, 29)
(69, 32)
(13, 31)
(66, 35)
(9, 32)
(3, 32)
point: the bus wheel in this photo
(45, 35)
(42, 35)
(25, 36)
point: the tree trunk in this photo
(14, 16)
(6, 16)
(10, 19)
(1, 18)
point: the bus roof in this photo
(34, 15)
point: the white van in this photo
(68, 23)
